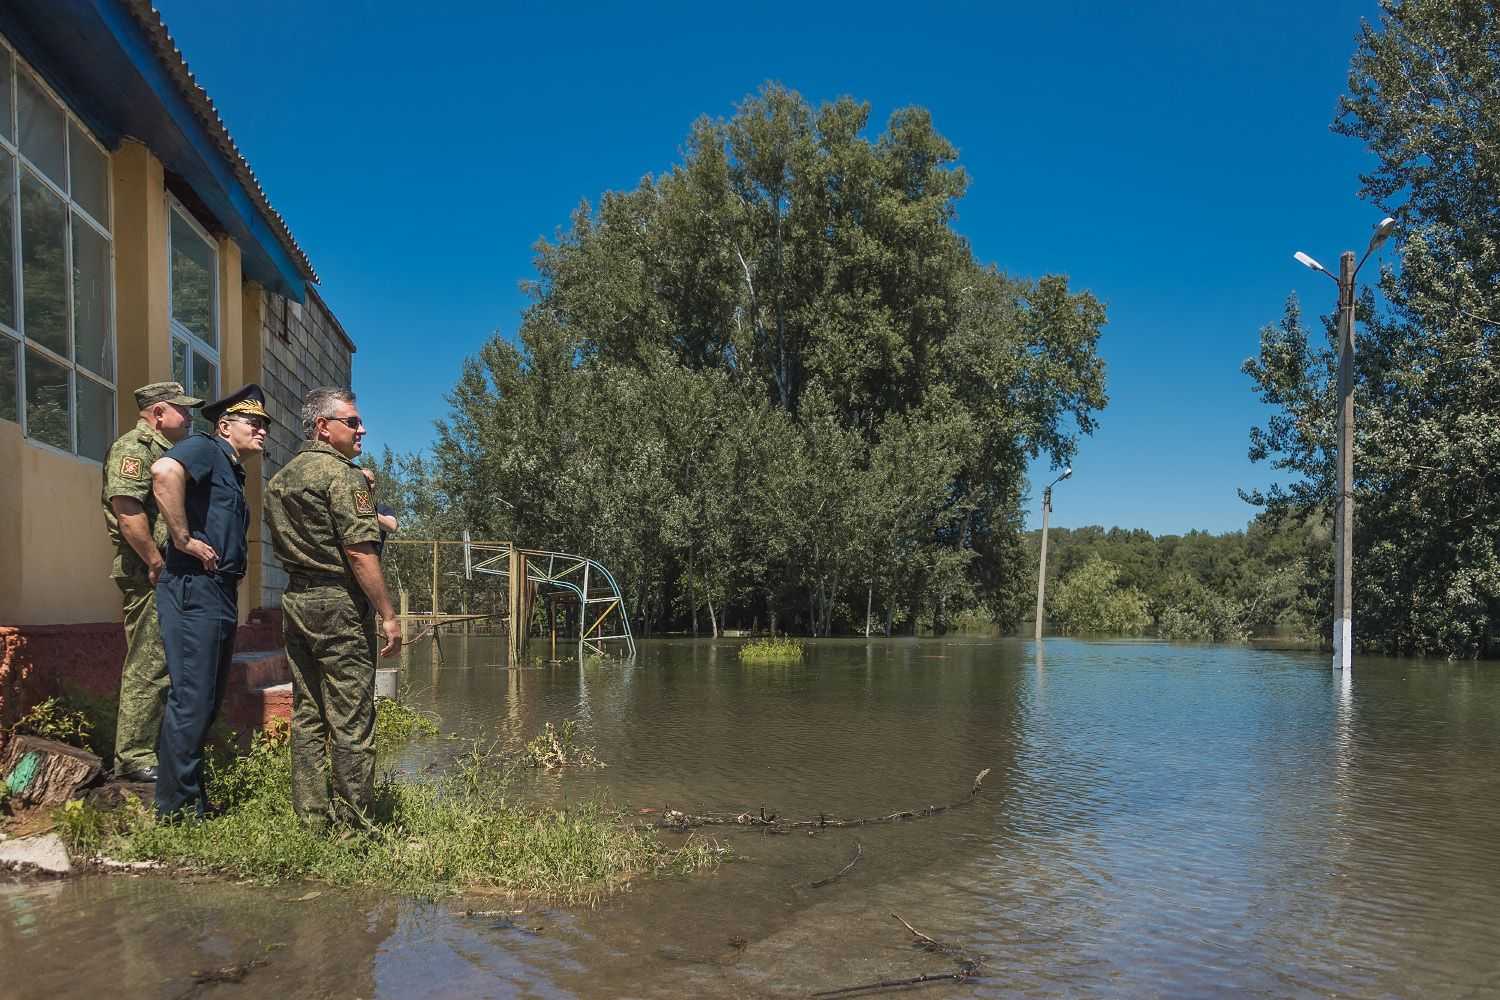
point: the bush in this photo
(558, 747)
(397, 722)
(55, 719)
(775, 649)
(973, 621)
(1212, 618)
(1090, 599)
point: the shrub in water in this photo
(776, 649)
(558, 747)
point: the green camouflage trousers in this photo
(143, 681)
(330, 641)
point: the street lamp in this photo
(1343, 516)
(1041, 575)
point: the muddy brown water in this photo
(1159, 820)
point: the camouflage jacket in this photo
(317, 504)
(127, 473)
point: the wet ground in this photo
(1159, 820)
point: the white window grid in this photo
(15, 339)
(195, 344)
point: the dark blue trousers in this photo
(199, 615)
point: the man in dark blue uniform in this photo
(200, 490)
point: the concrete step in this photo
(260, 691)
(258, 668)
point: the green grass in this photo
(463, 832)
(776, 649)
(396, 723)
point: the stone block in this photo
(44, 854)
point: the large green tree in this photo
(774, 382)
(1424, 95)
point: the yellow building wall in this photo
(143, 338)
(252, 326)
(54, 552)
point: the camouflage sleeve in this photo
(127, 472)
(353, 507)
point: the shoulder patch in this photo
(363, 502)
(130, 467)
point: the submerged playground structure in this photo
(561, 596)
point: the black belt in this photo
(301, 579)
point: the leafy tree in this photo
(1424, 95)
(1090, 599)
(775, 382)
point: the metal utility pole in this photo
(1041, 574)
(1343, 509)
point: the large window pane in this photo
(44, 279)
(91, 340)
(42, 127)
(47, 401)
(90, 173)
(179, 362)
(7, 240)
(193, 281)
(9, 400)
(205, 379)
(5, 93)
(206, 387)
(96, 418)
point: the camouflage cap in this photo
(164, 392)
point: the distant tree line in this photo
(773, 387)
(1197, 586)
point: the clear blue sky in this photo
(1169, 157)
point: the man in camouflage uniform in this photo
(324, 531)
(139, 536)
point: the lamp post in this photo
(1041, 574)
(1343, 513)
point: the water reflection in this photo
(1158, 820)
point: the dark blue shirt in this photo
(216, 509)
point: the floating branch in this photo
(970, 966)
(672, 819)
(969, 963)
(889, 984)
(859, 852)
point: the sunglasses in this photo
(259, 423)
(354, 423)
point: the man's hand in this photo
(365, 565)
(392, 629)
(201, 551)
(135, 528)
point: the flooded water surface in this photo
(1158, 820)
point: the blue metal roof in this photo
(116, 66)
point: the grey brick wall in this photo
(303, 346)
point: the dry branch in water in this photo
(970, 966)
(672, 819)
(859, 852)
(204, 979)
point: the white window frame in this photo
(194, 343)
(16, 339)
